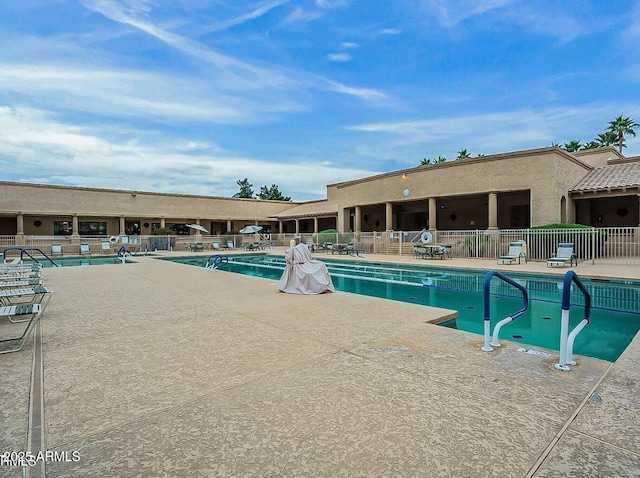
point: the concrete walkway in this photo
(158, 369)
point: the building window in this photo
(180, 229)
(132, 228)
(92, 228)
(62, 228)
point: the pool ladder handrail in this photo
(215, 261)
(25, 250)
(487, 346)
(567, 339)
(154, 246)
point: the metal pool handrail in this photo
(215, 261)
(487, 309)
(24, 251)
(566, 338)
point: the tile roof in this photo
(613, 176)
(310, 209)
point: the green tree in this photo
(463, 154)
(246, 189)
(608, 138)
(591, 145)
(272, 193)
(622, 126)
(441, 159)
(572, 146)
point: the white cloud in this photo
(339, 57)
(300, 16)
(41, 149)
(390, 31)
(496, 132)
(449, 13)
(238, 74)
(367, 94)
(136, 93)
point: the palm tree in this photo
(591, 145)
(463, 154)
(608, 138)
(621, 126)
(572, 146)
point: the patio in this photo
(163, 369)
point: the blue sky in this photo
(188, 96)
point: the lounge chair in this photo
(231, 246)
(565, 253)
(215, 246)
(85, 248)
(25, 296)
(517, 251)
(15, 283)
(56, 249)
(106, 246)
(15, 314)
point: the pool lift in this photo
(494, 342)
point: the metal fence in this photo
(611, 245)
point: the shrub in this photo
(332, 235)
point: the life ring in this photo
(426, 237)
(113, 239)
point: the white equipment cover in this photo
(303, 274)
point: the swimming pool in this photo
(72, 261)
(615, 315)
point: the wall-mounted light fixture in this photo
(404, 177)
(134, 194)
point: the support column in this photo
(163, 224)
(228, 225)
(74, 225)
(433, 215)
(315, 225)
(122, 232)
(389, 216)
(20, 229)
(358, 220)
(493, 211)
(279, 226)
(297, 226)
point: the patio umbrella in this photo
(250, 229)
(197, 227)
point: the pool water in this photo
(615, 317)
(72, 261)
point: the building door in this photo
(520, 216)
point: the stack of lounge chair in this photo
(23, 299)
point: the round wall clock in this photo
(405, 193)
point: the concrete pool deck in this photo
(162, 369)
